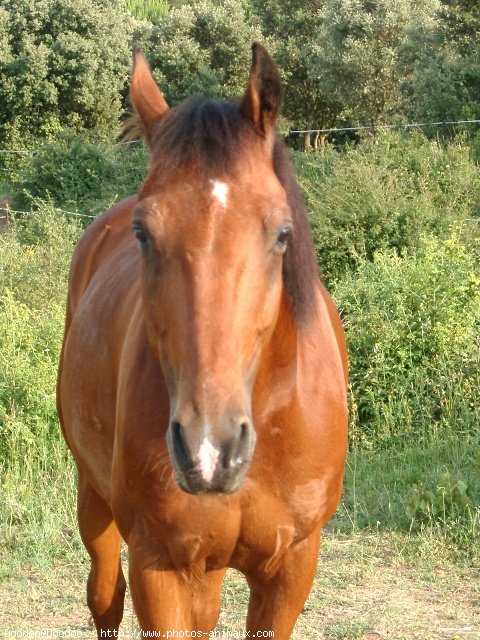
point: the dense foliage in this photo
(395, 219)
(445, 79)
(412, 325)
(64, 63)
(34, 262)
(395, 226)
(75, 174)
(386, 194)
(202, 48)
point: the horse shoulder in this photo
(322, 395)
(85, 397)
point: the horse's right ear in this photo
(145, 95)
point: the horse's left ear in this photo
(263, 97)
(145, 95)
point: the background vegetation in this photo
(65, 63)
(395, 221)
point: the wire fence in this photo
(8, 210)
(17, 151)
(359, 127)
(408, 125)
(33, 151)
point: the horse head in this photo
(213, 224)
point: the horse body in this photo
(207, 419)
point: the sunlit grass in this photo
(152, 10)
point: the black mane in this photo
(212, 134)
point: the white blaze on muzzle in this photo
(207, 459)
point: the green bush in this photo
(79, 175)
(413, 334)
(385, 194)
(202, 48)
(34, 262)
(64, 63)
(28, 358)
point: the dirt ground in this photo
(367, 588)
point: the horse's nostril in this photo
(180, 448)
(244, 429)
(237, 451)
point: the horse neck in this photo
(278, 362)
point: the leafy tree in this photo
(358, 50)
(442, 88)
(461, 24)
(445, 79)
(203, 48)
(63, 64)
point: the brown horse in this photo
(202, 385)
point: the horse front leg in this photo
(106, 584)
(207, 601)
(170, 601)
(160, 594)
(276, 601)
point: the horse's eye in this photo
(140, 234)
(283, 237)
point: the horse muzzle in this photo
(211, 458)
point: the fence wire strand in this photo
(408, 125)
(31, 213)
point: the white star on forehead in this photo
(220, 192)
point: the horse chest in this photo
(253, 529)
(272, 523)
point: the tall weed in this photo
(36, 473)
(152, 10)
(413, 334)
(386, 194)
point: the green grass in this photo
(376, 574)
(152, 10)
(35, 470)
(38, 521)
(378, 488)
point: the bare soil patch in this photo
(367, 588)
